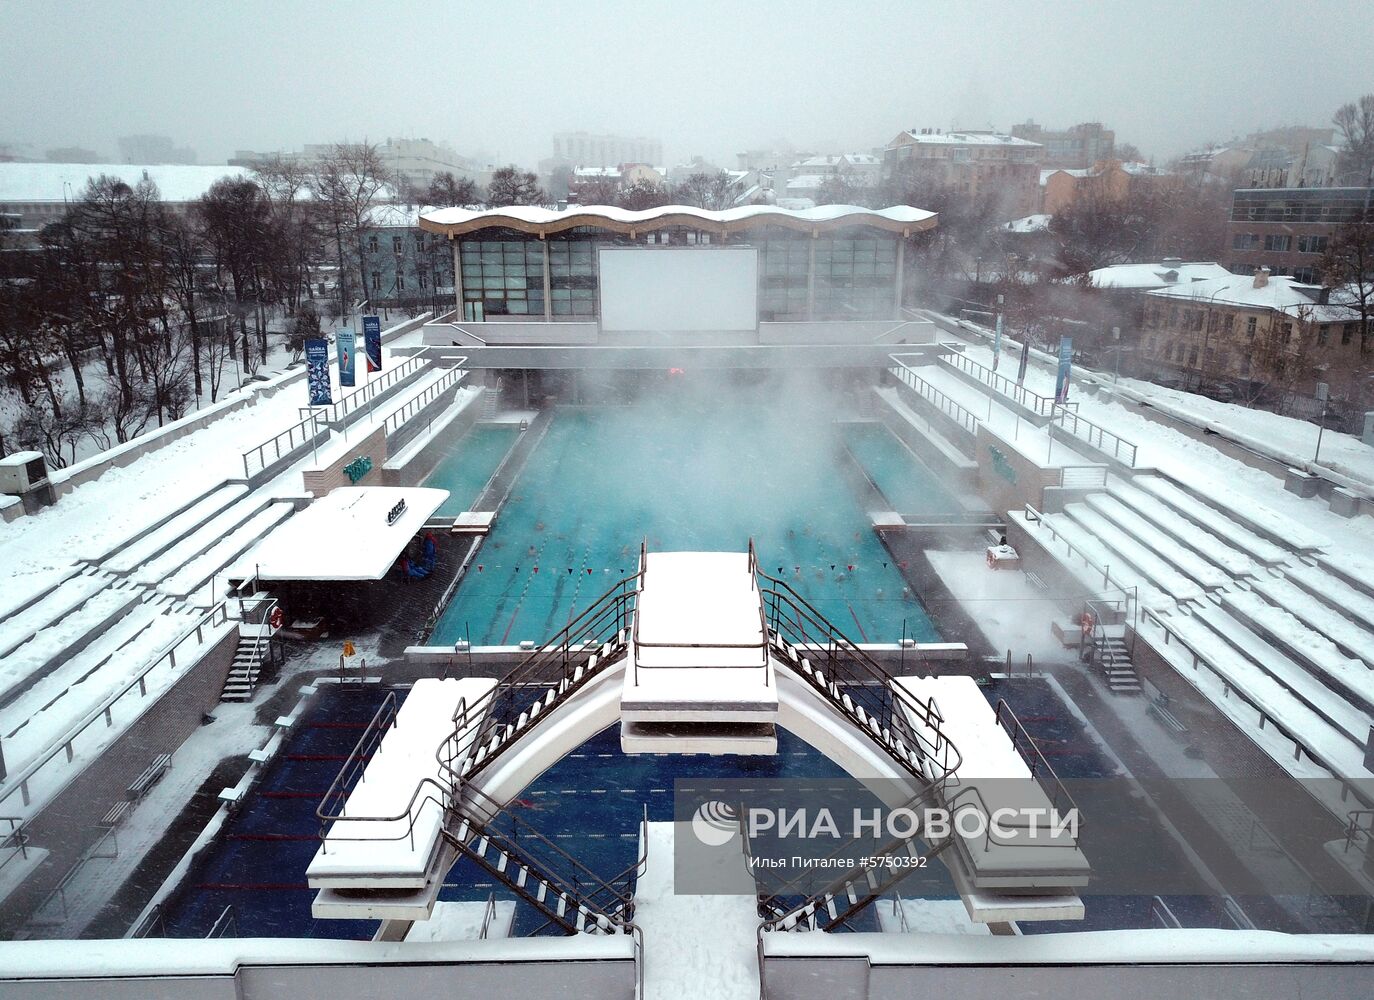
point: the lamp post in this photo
(1323, 396)
(1116, 341)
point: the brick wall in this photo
(321, 480)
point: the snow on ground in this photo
(1289, 439)
(1010, 613)
(462, 921)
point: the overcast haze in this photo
(708, 78)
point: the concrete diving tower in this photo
(699, 677)
(382, 853)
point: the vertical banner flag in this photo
(347, 344)
(1025, 357)
(997, 343)
(317, 371)
(1061, 380)
(372, 342)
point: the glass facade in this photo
(855, 272)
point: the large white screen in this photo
(679, 288)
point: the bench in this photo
(1166, 718)
(117, 812)
(151, 775)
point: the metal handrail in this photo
(419, 402)
(226, 921)
(488, 915)
(762, 645)
(946, 403)
(1013, 390)
(1034, 516)
(1095, 435)
(893, 726)
(218, 615)
(350, 402)
(1021, 740)
(16, 841)
(255, 654)
(1357, 834)
(276, 442)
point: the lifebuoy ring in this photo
(275, 619)
(1088, 623)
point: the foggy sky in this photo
(705, 77)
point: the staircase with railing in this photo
(1108, 649)
(260, 622)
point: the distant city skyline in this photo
(697, 80)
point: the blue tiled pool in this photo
(470, 463)
(681, 479)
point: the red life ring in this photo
(275, 619)
(1088, 623)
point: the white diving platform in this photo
(384, 858)
(699, 677)
(1030, 859)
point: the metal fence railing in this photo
(1109, 582)
(1096, 435)
(1083, 476)
(361, 396)
(262, 456)
(88, 735)
(1017, 393)
(947, 405)
(399, 418)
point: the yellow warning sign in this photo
(348, 648)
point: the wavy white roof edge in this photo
(538, 215)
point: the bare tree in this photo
(512, 186)
(599, 191)
(446, 190)
(348, 182)
(1356, 124)
(234, 216)
(643, 194)
(709, 191)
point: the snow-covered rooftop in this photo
(537, 219)
(1162, 274)
(967, 139)
(37, 182)
(1280, 293)
(350, 534)
(805, 182)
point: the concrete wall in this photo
(848, 977)
(420, 462)
(1007, 479)
(322, 479)
(66, 825)
(376, 970)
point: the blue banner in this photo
(372, 342)
(1061, 380)
(347, 343)
(317, 371)
(1025, 357)
(997, 344)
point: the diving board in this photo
(699, 677)
(383, 855)
(992, 775)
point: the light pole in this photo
(1323, 395)
(1116, 341)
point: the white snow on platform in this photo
(345, 535)
(927, 916)
(706, 600)
(1010, 612)
(693, 945)
(462, 921)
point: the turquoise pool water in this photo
(909, 485)
(682, 477)
(468, 466)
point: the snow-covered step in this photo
(62, 601)
(57, 642)
(1354, 604)
(1218, 523)
(1264, 521)
(1058, 533)
(1185, 560)
(196, 573)
(205, 537)
(1332, 747)
(1291, 675)
(1349, 638)
(155, 542)
(1314, 651)
(23, 592)
(1191, 535)
(1131, 555)
(116, 660)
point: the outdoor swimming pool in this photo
(464, 471)
(685, 478)
(910, 486)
